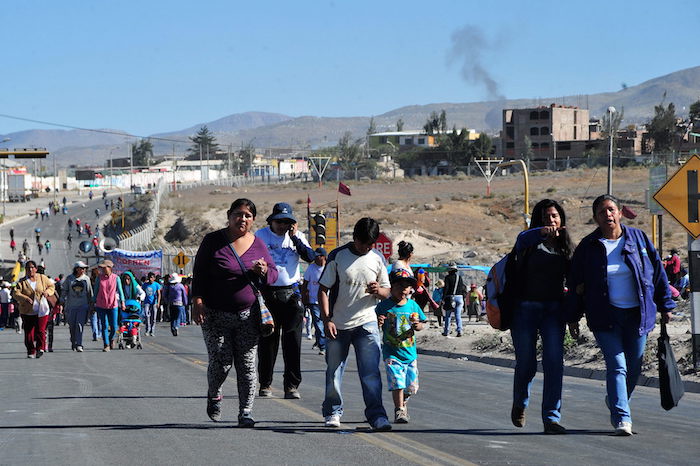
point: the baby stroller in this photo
(130, 326)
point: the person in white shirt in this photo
(309, 296)
(5, 298)
(286, 245)
(351, 285)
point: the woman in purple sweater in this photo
(225, 305)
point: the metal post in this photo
(131, 171)
(611, 110)
(201, 163)
(694, 262)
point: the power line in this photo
(103, 131)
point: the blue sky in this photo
(153, 66)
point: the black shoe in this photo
(554, 428)
(39, 354)
(517, 416)
(174, 332)
(246, 421)
(459, 334)
(292, 394)
(214, 409)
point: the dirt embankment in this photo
(446, 218)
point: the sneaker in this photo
(174, 332)
(292, 394)
(31, 356)
(79, 349)
(246, 421)
(623, 429)
(554, 428)
(333, 420)
(401, 416)
(214, 408)
(459, 334)
(106, 349)
(381, 425)
(50, 350)
(39, 353)
(444, 334)
(322, 352)
(265, 392)
(517, 416)
(309, 337)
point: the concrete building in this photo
(404, 140)
(553, 131)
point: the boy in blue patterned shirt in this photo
(399, 318)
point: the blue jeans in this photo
(366, 339)
(76, 318)
(529, 319)
(623, 349)
(108, 320)
(315, 312)
(149, 315)
(95, 324)
(457, 311)
(175, 313)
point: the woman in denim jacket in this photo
(618, 281)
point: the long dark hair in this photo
(562, 243)
(405, 249)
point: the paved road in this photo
(55, 229)
(148, 407)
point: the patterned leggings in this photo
(232, 338)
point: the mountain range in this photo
(274, 130)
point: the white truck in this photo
(19, 187)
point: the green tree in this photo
(442, 121)
(662, 127)
(372, 127)
(142, 152)
(350, 153)
(246, 156)
(399, 125)
(205, 141)
(481, 148)
(432, 124)
(605, 125)
(694, 113)
(529, 153)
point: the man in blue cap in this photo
(286, 245)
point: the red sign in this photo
(384, 245)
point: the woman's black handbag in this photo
(670, 382)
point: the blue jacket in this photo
(588, 288)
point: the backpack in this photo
(500, 297)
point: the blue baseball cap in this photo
(281, 211)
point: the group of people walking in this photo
(614, 277)
(36, 301)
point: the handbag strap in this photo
(664, 332)
(245, 270)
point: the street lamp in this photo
(611, 110)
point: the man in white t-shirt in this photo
(286, 245)
(309, 296)
(351, 285)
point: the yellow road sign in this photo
(680, 196)
(181, 260)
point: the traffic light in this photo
(320, 228)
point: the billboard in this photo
(82, 175)
(138, 262)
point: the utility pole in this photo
(201, 163)
(611, 110)
(131, 163)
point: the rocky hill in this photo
(277, 130)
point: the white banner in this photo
(138, 262)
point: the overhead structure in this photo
(320, 163)
(488, 173)
(33, 153)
